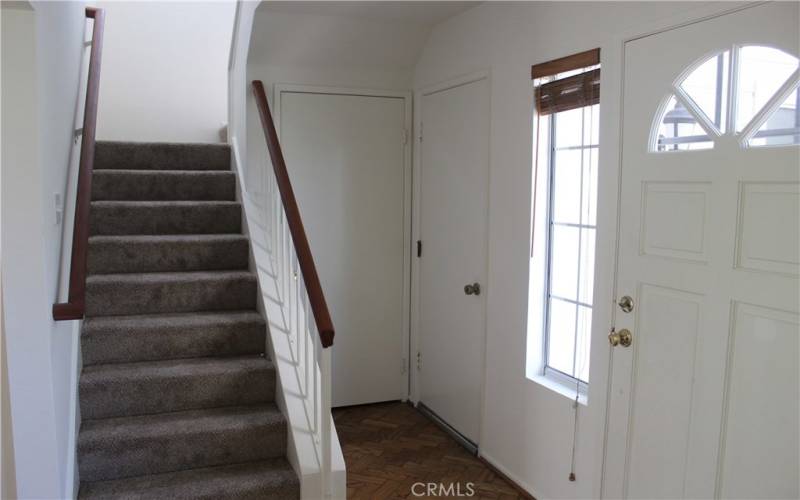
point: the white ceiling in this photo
(369, 35)
(421, 12)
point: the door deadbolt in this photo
(473, 289)
(622, 337)
(626, 304)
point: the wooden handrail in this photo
(75, 306)
(316, 297)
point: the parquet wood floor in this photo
(388, 447)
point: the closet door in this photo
(454, 170)
(346, 159)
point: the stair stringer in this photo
(301, 450)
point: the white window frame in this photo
(540, 371)
(727, 95)
(548, 371)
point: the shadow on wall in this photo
(165, 71)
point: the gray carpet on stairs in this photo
(176, 395)
(140, 293)
(115, 155)
(170, 185)
(164, 253)
(126, 339)
(249, 481)
(164, 217)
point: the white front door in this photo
(346, 156)
(704, 401)
(454, 161)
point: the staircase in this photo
(176, 394)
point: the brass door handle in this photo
(473, 289)
(622, 337)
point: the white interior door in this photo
(704, 402)
(346, 156)
(453, 205)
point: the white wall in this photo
(238, 86)
(8, 472)
(326, 50)
(527, 428)
(41, 61)
(333, 50)
(164, 75)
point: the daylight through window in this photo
(749, 92)
(564, 220)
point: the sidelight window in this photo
(564, 219)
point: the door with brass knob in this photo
(704, 405)
(451, 306)
(622, 337)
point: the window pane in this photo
(586, 285)
(589, 201)
(567, 186)
(561, 340)
(707, 86)
(564, 258)
(568, 128)
(584, 339)
(679, 130)
(762, 71)
(782, 127)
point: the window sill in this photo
(557, 386)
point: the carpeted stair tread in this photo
(161, 156)
(127, 389)
(163, 253)
(173, 292)
(113, 448)
(163, 185)
(272, 478)
(176, 394)
(164, 217)
(121, 339)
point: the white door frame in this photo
(415, 225)
(612, 57)
(278, 88)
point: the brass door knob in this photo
(622, 337)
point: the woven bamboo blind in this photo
(572, 92)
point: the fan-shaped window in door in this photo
(749, 92)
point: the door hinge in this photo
(419, 361)
(419, 248)
(405, 136)
(420, 131)
(404, 366)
